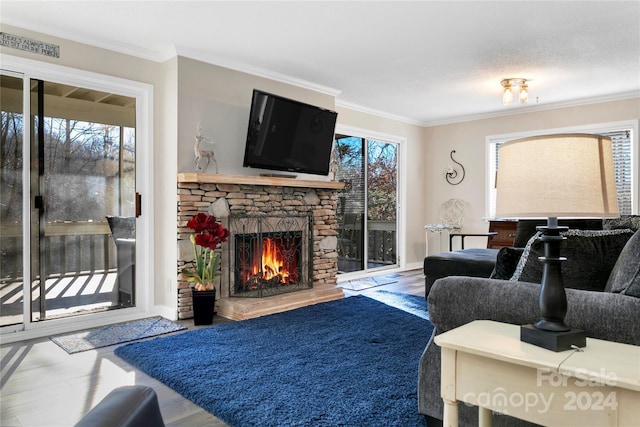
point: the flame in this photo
(272, 265)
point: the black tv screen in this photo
(288, 135)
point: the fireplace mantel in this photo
(214, 178)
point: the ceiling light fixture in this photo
(509, 85)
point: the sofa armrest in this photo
(125, 406)
(455, 301)
(475, 262)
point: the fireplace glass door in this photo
(267, 261)
(270, 254)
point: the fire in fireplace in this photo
(269, 255)
(267, 261)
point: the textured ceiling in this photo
(424, 61)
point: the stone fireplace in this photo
(288, 219)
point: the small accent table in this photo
(438, 228)
(463, 235)
(484, 363)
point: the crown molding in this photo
(506, 112)
(378, 113)
(172, 51)
(124, 48)
(511, 111)
(256, 71)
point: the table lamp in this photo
(555, 176)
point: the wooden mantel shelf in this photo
(215, 178)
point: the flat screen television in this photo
(288, 135)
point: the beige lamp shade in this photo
(562, 175)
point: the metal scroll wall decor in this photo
(452, 172)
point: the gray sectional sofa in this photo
(611, 312)
(480, 262)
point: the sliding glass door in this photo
(80, 182)
(11, 200)
(368, 205)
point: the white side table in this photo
(437, 228)
(484, 363)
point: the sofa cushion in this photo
(631, 222)
(625, 277)
(526, 228)
(475, 262)
(591, 256)
(506, 263)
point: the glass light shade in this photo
(507, 96)
(524, 94)
(564, 175)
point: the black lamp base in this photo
(554, 341)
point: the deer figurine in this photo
(203, 154)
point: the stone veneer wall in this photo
(220, 199)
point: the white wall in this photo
(468, 139)
(187, 92)
(164, 244)
(220, 99)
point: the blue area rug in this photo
(119, 333)
(413, 304)
(349, 362)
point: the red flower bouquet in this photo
(209, 233)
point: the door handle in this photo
(38, 202)
(138, 205)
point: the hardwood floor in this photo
(42, 385)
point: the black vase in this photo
(203, 306)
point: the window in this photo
(622, 137)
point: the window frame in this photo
(631, 125)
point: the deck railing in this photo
(70, 248)
(382, 241)
(82, 247)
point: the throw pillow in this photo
(527, 227)
(631, 222)
(591, 256)
(524, 257)
(625, 277)
(525, 230)
(506, 263)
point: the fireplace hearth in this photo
(269, 254)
